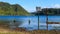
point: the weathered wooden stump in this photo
(53, 22)
(20, 29)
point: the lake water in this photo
(34, 21)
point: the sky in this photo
(30, 5)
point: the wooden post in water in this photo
(38, 21)
(47, 18)
(38, 9)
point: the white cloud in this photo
(56, 6)
(52, 6)
(45, 7)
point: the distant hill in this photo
(9, 9)
(50, 11)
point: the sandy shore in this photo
(8, 31)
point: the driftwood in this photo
(53, 22)
(20, 29)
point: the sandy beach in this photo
(7, 31)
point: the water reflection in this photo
(33, 19)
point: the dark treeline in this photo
(50, 11)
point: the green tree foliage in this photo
(50, 11)
(8, 9)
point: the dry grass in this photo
(3, 31)
(8, 31)
(30, 32)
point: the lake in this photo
(34, 21)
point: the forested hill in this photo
(50, 11)
(12, 9)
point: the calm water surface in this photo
(34, 21)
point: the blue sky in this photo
(30, 5)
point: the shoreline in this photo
(23, 31)
(3, 31)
